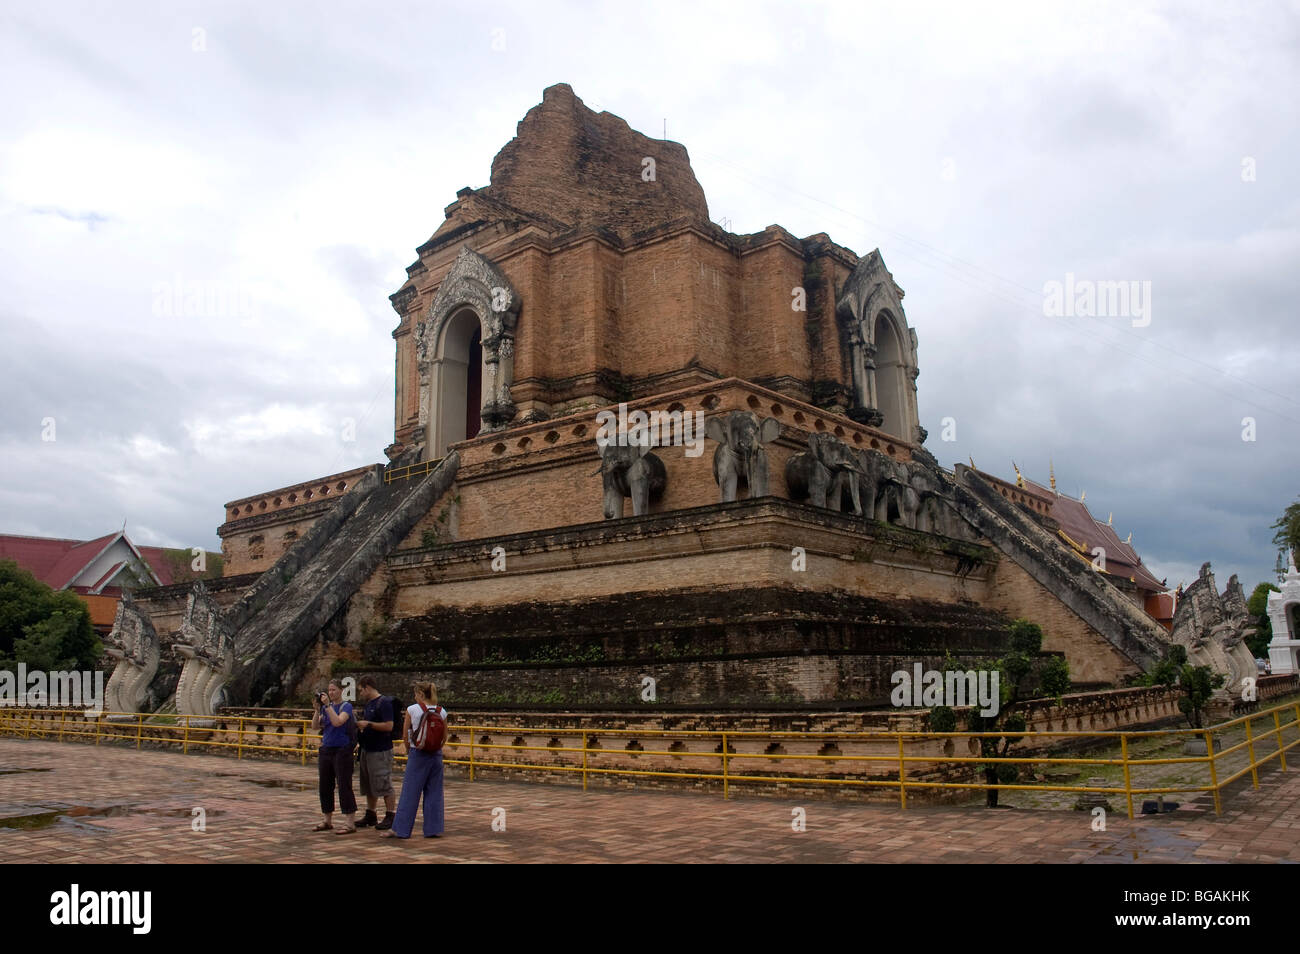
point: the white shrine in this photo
(1284, 614)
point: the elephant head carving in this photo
(630, 470)
(740, 456)
(823, 472)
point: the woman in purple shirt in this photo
(334, 718)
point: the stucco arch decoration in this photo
(868, 298)
(473, 283)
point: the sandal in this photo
(323, 826)
(347, 831)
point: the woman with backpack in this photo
(424, 731)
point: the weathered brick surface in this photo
(1091, 659)
(627, 288)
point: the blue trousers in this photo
(423, 778)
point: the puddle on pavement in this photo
(277, 783)
(270, 782)
(80, 816)
(29, 822)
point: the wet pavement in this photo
(65, 802)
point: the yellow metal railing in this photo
(412, 470)
(294, 737)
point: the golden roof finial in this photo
(972, 462)
(1129, 541)
(1110, 519)
(1020, 478)
(1051, 469)
(1083, 495)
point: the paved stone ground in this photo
(114, 804)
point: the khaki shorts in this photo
(377, 773)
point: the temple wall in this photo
(1092, 659)
(772, 343)
(259, 529)
(545, 475)
(674, 308)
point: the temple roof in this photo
(62, 564)
(1085, 532)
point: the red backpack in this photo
(431, 731)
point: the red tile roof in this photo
(56, 562)
(161, 566)
(76, 559)
(1082, 528)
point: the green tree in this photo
(1196, 682)
(42, 627)
(1166, 672)
(1026, 642)
(1258, 607)
(1288, 528)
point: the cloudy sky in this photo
(286, 159)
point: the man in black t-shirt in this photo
(376, 737)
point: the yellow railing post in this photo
(304, 742)
(471, 753)
(902, 773)
(139, 728)
(1281, 750)
(1128, 777)
(725, 785)
(584, 761)
(1214, 775)
(239, 739)
(185, 741)
(99, 721)
(63, 717)
(1250, 747)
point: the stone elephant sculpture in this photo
(824, 472)
(933, 512)
(897, 501)
(630, 471)
(873, 470)
(740, 456)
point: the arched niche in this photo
(879, 350)
(891, 376)
(476, 307)
(457, 382)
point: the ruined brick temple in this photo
(794, 550)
